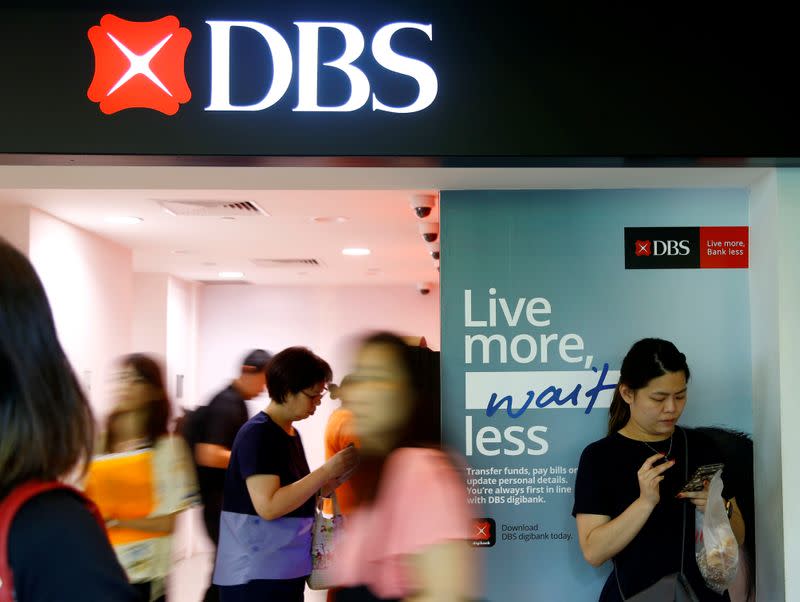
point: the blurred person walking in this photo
(56, 548)
(264, 552)
(143, 477)
(408, 538)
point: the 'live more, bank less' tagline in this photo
(706, 247)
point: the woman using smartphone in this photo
(629, 504)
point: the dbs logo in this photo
(139, 65)
(642, 248)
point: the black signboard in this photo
(439, 82)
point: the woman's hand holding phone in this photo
(650, 476)
(696, 489)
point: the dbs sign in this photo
(139, 65)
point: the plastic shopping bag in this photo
(716, 549)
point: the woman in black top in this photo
(56, 550)
(627, 502)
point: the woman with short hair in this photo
(268, 507)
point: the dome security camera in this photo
(433, 248)
(429, 231)
(422, 204)
(423, 288)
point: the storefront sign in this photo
(415, 83)
(127, 52)
(686, 248)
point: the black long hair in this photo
(421, 366)
(423, 427)
(647, 359)
(157, 408)
(46, 423)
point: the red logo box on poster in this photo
(724, 247)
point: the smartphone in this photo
(703, 473)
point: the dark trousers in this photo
(358, 594)
(211, 513)
(212, 593)
(265, 590)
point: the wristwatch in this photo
(729, 508)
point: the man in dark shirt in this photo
(221, 420)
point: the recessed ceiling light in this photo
(327, 219)
(356, 251)
(123, 220)
(228, 218)
(231, 275)
(181, 252)
(209, 263)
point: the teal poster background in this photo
(549, 265)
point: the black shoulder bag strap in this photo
(683, 538)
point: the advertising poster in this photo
(539, 306)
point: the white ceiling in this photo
(375, 201)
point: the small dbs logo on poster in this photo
(643, 248)
(484, 532)
(139, 65)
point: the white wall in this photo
(183, 320)
(788, 272)
(89, 282)
(149, 328)
(775, 303)
(765, 329)
(235, 319)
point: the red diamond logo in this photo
(642, 248)
(139, 65)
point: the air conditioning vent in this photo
(287, 263)
(203, 208)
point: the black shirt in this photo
(224, 416)
(264, 448)
(59, 553)
(607, 484)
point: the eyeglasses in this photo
(314, 396)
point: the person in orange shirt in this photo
(143, 478)
(339, 434)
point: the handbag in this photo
(326, 532)
(673, 587)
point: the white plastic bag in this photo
(716, 549)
